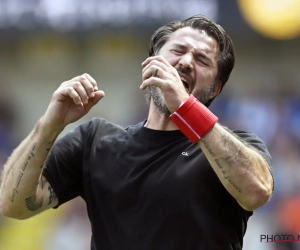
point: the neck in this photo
(158, 121)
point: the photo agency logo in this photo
(267, 238)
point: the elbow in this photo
(258, 193)
(8, 212)
(258, 197)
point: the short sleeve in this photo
(256, 142)
(63, 168)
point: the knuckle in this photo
(160, 58)
(154, 62)
(168, 84)
(153, 67)
(82, 78)
(77, 84)
(69, 89)
(90, 88)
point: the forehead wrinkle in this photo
(204, 53)
(198, 40)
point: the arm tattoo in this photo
(32, 204)
(236, 157)
(226, 176)
(21, 173)
(208, 148)
(229, 161)
(268, 162)
(41, 182)
(14, 193)
(52, 195)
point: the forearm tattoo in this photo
(21, 173)
(236, 157)
(32, 204)
(52, 195)
(208, 148)
(23, 169)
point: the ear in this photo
(217, 88)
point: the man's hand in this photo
(71, 101)
(159, 73)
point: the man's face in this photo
(194, 54)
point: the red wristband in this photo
(193, 119)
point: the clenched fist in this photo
(158, 72)
(71, 101)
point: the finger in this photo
(153, 81)
(88, 86)
(81, 91)
(154, 71)
(156, 63)
(92, 80)
(93, 101)
(158, 58)
(71, 92)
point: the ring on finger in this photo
(156, 71)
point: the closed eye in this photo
(177, 51)
(202, 62)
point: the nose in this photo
(186, 61)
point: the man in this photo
(177, 180)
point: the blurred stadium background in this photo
(45, 42)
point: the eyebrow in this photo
(198, 53)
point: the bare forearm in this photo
(242, 170)
(22, 172)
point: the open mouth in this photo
(185, 84)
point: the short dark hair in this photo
(226, 58)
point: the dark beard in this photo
(159, 101)
(203, 96)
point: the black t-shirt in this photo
(146, 189)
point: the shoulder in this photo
(101, 130)
(102, 126)
(95, 130)
(84, 130)
(95, 125)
